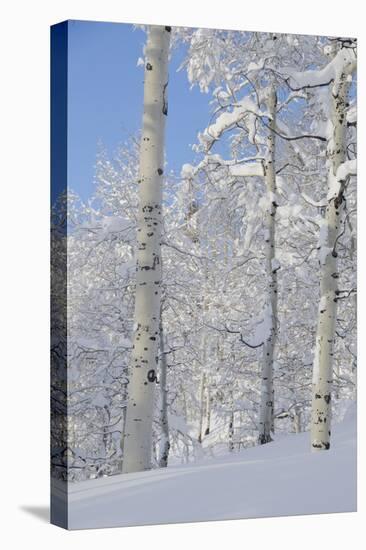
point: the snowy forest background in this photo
(248, 263)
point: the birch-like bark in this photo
(231, 423)
(164, 423)
(202, 405)
(327, 312)
(107, 437)
(208, 408)
(267, 391)
(204, 376)
(137, 442)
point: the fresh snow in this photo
(263, 329)
(248, 169)
(330, 72)
(347, 168)
(187, 171)
(228, 119)
(278, 479)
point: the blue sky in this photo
(105, 92)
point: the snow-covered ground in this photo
(281, 478)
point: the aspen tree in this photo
(267, 392)
(137, 441)
(327, 311)
(164, 420)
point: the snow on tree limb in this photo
(344, 60)
(345, 170)
(245, 108)
(247, 169)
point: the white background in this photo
(24, 287)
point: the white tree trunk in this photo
(137, 442)
(231, 422)
(202, 407)
(204, 343)
(164, 424)
(267, 392)
(208, 408)
(325, 335)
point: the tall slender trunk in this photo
(164, 424)
(204, 376)
(202, 406)
(327, 312)
(267, 391)
(137, 442)
(231, 423)
(106, 430)
(208, 408)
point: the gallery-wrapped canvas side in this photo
(58, 228)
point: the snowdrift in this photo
(278, 479)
